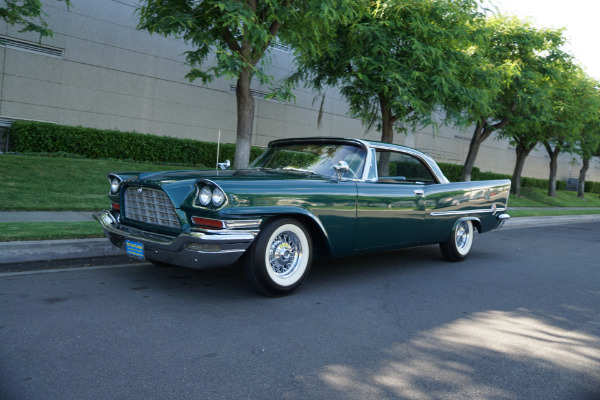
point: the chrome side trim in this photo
(466, 212)
(243, 224)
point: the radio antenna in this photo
(218, 148)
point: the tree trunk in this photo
(245, 119)
(522, 153)
(581, 183)
(472, 155)
(552, 178)
(387, 136)
(482, 132)
(553, 168)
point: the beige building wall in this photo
(109, 75)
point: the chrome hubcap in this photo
(462, 235)
(285, 254)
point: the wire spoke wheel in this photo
(285, 254)
(280, 259)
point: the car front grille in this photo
(150, 206)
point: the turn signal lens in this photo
(208, 223)
(205, 195)
(218, 197)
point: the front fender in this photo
(321, 238)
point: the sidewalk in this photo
(46, 250)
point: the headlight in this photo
(218, 197)
(114, 185)
(205, 195)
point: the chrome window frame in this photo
(371, 147)
(426, 160)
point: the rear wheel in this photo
(459, 245)
(280, 258)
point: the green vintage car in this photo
(302, 199)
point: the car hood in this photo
(168, 177)
(180, 186)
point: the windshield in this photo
(317, 158)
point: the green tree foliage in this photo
(573, 103)
(28, 14)
(535, 109)
(510, 68)
(238, 34)
(588, 141)
(397, 62)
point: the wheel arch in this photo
(320, 240)
(474, 220)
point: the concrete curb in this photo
(528, 222)
(44, 250)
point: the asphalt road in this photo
(519, 319)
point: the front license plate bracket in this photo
(135, 249)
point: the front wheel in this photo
(280, 258)
(459, 245)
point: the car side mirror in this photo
(341, 167)
(224, 165)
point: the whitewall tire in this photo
(280, 257)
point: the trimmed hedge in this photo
(40, 137)
(592, 187)
(454, 172)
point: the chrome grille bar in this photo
(151, 206)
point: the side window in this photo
(372, 166)
(398, 167)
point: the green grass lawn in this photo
(550, 212)
(10, 231)
(534, 197)
(37, 183)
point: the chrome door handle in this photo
(419, 192)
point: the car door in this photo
(391, 209)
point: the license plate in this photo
(134, 249)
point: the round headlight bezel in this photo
(209, 195)
(114, 185)
(205, 195)
(218, 197)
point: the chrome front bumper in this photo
(196, 250)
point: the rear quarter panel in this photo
(446, 203)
